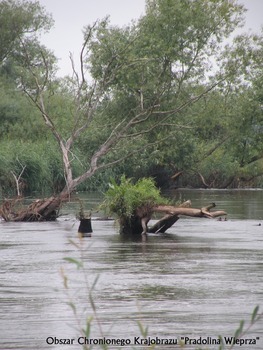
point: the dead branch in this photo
(203, 180)
(203, 212)
(173, 214)
(17, 180)
(176, 175)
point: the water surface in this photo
(198, 280)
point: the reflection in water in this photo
(200, 279)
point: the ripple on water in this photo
(200, 279)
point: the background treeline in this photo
(215, 142)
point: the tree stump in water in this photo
(85, 228)
(130, 226)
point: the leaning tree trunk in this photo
(163, 224)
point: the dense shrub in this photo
(123, 199)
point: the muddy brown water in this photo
(197, 281)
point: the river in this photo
(193, 283)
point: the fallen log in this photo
(7, 209)
(203, 212)
(168, 220)
(173, 214)
(46, 209)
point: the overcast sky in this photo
(72, 15)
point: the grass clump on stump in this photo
(129, 202)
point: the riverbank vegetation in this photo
(163, 97)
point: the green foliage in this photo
(242, 331)
(18, 19)
(123, 199)
(218, 168)
(255, 316)
(159, 62)
(42, 171)
(78, 263)
(18, 119)
(181, 28)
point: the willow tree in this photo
(131, 81)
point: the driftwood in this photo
(168, 220)
(138, 223)
(203, 212)
(173, 214)
(46, 209)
